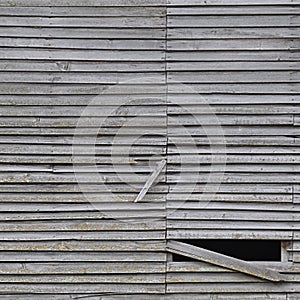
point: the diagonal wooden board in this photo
(223, 261)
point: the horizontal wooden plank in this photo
(236, 158)
(231, 77)
(123, 215)
(190, 150)
(227, 2)
(234, 130)
(94, 22)
(247, 109)
(80, 3)
(81, 150)
(233, 10)
(43, 268)
(73, 256)
(187, 98)
(233, 55)
(211, 119)
(234, 196)
(82, 100)
(87, 55)
(236, 168)
(209, 278)
(233, 215)
(228, 65)
(100, 197)
(57, 43)
(227, 21)
(86, 89)
(230, 32)
(225, 178)
(83, 279)
(93, 11)
(232, 44)
(231, 225)
(89, 225)
(238, 206)
(67, 288)
(74, 66)
(70, 246)
(87, 33)
(88, 207)
(111, 112)
(83, 77)
(228, 288)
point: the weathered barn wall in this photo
(241, 57)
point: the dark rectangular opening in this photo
(249, 250)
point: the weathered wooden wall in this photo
(241, 57)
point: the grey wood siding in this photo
(56, 57)
(241, 57)
(241, 60)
